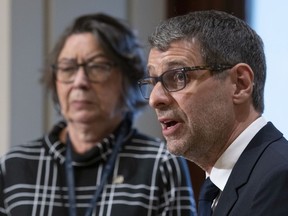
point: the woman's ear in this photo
(243, 79)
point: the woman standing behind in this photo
(94, 162)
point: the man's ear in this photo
(243, 79)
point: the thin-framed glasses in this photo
(174, 80)
(95, 72)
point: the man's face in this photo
(196, 120)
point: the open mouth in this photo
(168, 124)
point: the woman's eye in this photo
(95, 67)
(68, 68)
(100, 67)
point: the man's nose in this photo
(159, 96)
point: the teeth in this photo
(168, 124)
(164, 124)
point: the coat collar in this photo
(244, 166)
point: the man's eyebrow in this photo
(150, 69)
(176, 63)
(166, 66)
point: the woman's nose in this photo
(81, 77)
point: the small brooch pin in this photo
(118, 179)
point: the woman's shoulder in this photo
(24, 150)
(146, 139)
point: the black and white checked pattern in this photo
(146, 179)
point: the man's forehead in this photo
(178, 54)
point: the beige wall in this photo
(5, 78)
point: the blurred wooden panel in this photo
(178, 7)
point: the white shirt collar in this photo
(222, 169)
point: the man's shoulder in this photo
(272, 142)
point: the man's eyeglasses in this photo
(95, 72)
(174, 80)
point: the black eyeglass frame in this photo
(85, 65)
(145, 81)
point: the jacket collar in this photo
(244, 166)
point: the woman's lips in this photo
(78, 104)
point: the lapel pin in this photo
(118, 179)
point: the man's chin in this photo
(174, 148)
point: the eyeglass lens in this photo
(96, 72)
(173, 80)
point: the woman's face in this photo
(84, 101)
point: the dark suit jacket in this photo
(258, 184)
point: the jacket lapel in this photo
(244, 166)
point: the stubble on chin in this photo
(176, 147)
